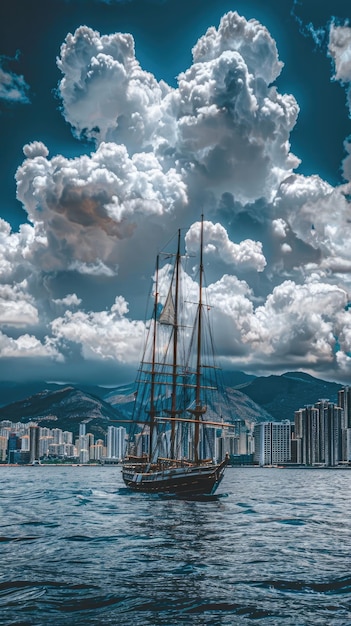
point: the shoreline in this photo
(233, 467)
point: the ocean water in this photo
(78, 549)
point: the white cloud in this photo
(339, 48)
(81, 208)
(16, 308)
(13, 87)
(218, 143)
(27, 346)
(246, 255)
(70, 300)
(106, 94)
(296, 326)
(103, 334)
(319, 216)
(232, 125)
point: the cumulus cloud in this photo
(247, 254)
(82, 207)
(106, 95)
(339, 49)
(295, 327)
(13, 87)
(16, 309)
(103, 334)
(225, 123)
(318, 214)
(218, 143)
(27, 346)
(70, 300)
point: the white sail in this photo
(167, 315)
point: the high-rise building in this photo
(318, 434)
(57, 434)
(272, 443)
(67, 436)
(34, 443)
(344, 402)
(84, 448)
(307, 431)
(13, 448)
(25, 443)
(116, 442)
(330, 417)
(3, 447)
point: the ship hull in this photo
(193, 481)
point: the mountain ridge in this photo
(253, 399)
(64, 408)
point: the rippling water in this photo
(77, 548)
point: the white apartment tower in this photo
(116, 442)
(272, 443)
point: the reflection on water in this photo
(78, 548)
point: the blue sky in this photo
(274, 91)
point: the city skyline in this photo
(136, 117)
(319, 435)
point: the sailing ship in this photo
(175, 423)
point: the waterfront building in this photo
(224, 444)
(331, 417)
(318, 434)
(272, 443)
(13, 448)
(34, 443)
(344, 401)
(206, 444)
(84, 456)
(67, 437)
(83, 448)
(70, 450)
(142, 444)
(25, 443)
(3, 447)
(307, 433)
(57, 435)
(116, 442)
(96, 452)
(44, 443)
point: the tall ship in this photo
(177, 440)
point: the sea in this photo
(77, 548)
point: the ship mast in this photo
(199, 409)
(175, 349)
(153, 372)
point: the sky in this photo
(124, 121)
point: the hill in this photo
(251, 399)
(12, 392)
(64, 408)
(281, 395)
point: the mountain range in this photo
(253, 399)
